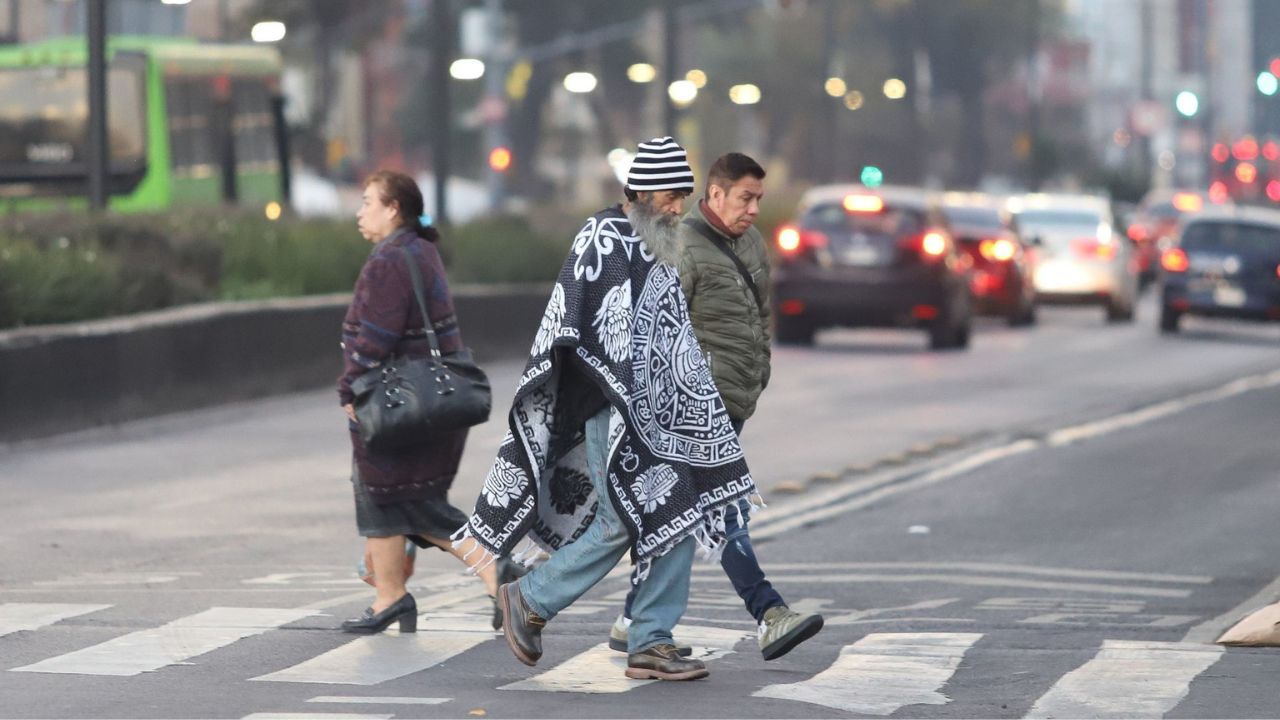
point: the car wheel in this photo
(951, 330)
(794, 331)
(1169, 319)
(1023, 315)
(1119, 311)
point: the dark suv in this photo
(861, 257)
(1225, 263)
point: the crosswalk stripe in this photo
(15, 617)
(373, 659)
(601, 670)
(1128, 679)
(174, 642)
(882, 672)
(365, 700)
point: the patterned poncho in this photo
(615, 330)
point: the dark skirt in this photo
(428, 514)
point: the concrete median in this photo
(61, 378)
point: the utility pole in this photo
(441, 51)
(1033, 100)
(826, 156)
(97, 140)
(15, 33)
(1145, 89)
(495, 91)
(670, 52)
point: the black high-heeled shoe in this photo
(405, 610)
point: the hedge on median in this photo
(69, 267)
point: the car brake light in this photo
(1175, 260)
(999, 250)
(863, 203)
(1138, 233)
(792, 239)
(1278, 272)
(1092, 248)
(934, 244)
(1188, 202)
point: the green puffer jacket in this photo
(733, 332)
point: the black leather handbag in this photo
(409, 399)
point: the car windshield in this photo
(1058, 218)
(1231, 237)
(890, 221)
(974, 217)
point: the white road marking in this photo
(1210, 630)
(982, 567)
(601, 670)
(93, 579)
(883, 672)
(15, 617)
(1127, 679)
(175, 642)
(988, 581)
(358, 700)
(1084, 431)
(311, 715)
(374, 659)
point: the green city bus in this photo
(188, 124)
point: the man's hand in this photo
(351, 412)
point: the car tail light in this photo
(863, 203)
(1175, 260)
(1093, 248)
(1278, 272)
(791, 307)
(791, 239)
(1188, 202)
(998, 250)
(1138, 233)
(934, 244)
(924, 312)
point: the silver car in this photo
(1081, 258)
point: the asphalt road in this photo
(1056, 523)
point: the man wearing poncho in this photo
(618, 438)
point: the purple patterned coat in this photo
(384, 320)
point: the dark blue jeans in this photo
(740, 564)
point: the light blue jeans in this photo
(574, 569)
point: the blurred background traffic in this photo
(972, 157)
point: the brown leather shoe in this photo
(663, 662)
(521, 626)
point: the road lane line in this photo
(15, 617)
(360, 700)
(374, 659)
(883, 672)
(792, 521)
(780, 568)
(175, 642)
(1127, 679)
(313, 715)
(600, 670)
(1210, 630)
(985, 581)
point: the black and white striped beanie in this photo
(660, 164)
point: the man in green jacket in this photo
(724, 272)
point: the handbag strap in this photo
(705, 231)
(415, 274)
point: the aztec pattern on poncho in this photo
(617, 320)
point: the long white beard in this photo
(660, 232)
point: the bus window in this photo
(44, 118)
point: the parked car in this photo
(862, 257)
(1080, 258)
(1001, 275)
(1225, 263)
(1154, 225)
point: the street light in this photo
(836, 87)
(642, 73)
(697, 77)
(747, 94)
(682, 92)
(1268, 84)
(895, 89)
(267, 31)
(466, 69)
(854, 100)
(579, 82)
(1187, 103)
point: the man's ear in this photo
(714, 192)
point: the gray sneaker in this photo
(618, 638)
(782, 629)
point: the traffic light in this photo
(872, 176)
(500, 159)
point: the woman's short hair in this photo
(398, 189)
